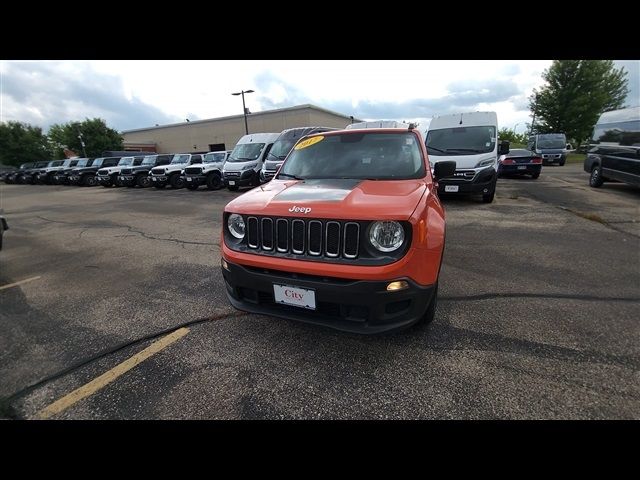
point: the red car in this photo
(349, 234)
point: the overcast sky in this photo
(136, 94)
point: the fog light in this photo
(485, 190)
(399, 285)
(225, 265)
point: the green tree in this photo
(575, 94)
(21, 142)
(95, 133)
(511, 136)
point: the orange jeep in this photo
(349, 234)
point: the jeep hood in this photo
(333, 198)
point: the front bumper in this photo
(548, 158)
(127, 180)
(242, 180)
(60, 179)
(159, 179)
(483, 182)
(349, 305)
(520, 169)
(104, 179)
(195, 180)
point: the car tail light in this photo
(508, 161)
(536, 160)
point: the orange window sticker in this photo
(308, 142)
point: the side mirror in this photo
(503, 148)
(444, 169)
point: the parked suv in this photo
(209, 173)
(61, 176)
(282, 146)
(86, 176)
(172, 174)
(46, 175)
(108, 176)
(614, 153)
(132, 176)
(349, 234)
(11, 176)
(28, 175)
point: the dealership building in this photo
(214, 134)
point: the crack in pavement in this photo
(129, 228)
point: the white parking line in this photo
(19, 283)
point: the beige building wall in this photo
(198, 135)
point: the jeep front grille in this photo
(313, 237)
(157, 171)
(126, 171)
(192, 171)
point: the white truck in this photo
(209, 173)
(245, 162)
(471, 140)
(172, 174)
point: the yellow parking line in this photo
(103, 380)
(19, 283)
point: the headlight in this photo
(250, 166)
(236, 226)
(386, 236)
(484, 163)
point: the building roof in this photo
(277, 110)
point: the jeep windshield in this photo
(125, 161)
(149, 160)
(280, 149)
(371, 156)
(180, 159)
(555, 141)
(246, 152)
(214, 157)
(82, 163)
(97, 162)
(461, 141)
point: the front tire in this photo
(214, 182)
(88, 181)
(143, 181)
(488, 197)
(176, 181)
(430, 314)
(596, 180)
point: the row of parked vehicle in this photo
(254, 160)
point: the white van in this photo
(243, 165)
(469, 139)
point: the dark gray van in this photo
(552, 147)
(614, 149)
(282, 146)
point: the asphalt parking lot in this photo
(537, 317)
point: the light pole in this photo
(516, 126)
(84, 152)
(244, 109)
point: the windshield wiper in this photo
(475, 150)
(435, 148)
(290, 176)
